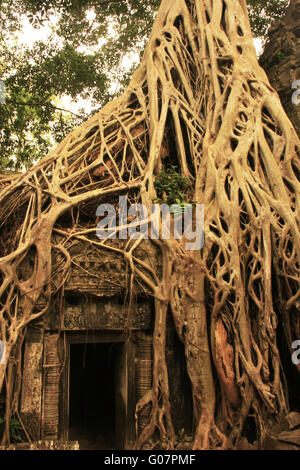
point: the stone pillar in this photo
(145, 364)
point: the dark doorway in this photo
(92, 398)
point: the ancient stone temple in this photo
(281, 60)
(89, 360)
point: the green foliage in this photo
(15, 429)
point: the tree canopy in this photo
(80, 57)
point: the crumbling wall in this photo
(43, 445)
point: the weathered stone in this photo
(243, 444)
(43, 445)
(93, 313)
(281, 59)
(101, 272)
(293, 420)
(52, 373)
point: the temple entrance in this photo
(94, 395)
